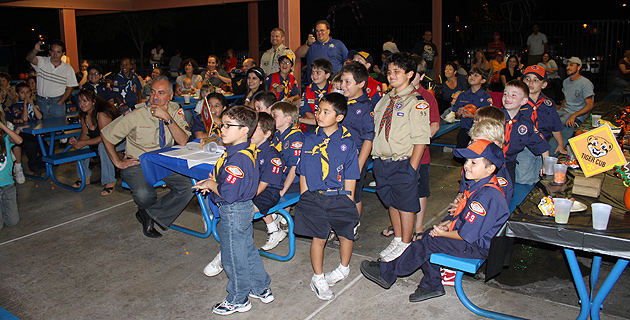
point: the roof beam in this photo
(109, 5)
(139, 5)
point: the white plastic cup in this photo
(595, 120)
(601, 215)
(563, 209)
(210, 147)
(197, 91)
(549, 163)
(187, 98)
(559, 173)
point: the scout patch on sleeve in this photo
(180, 112)
(277, 163)
(235, 171)
(477, 208)
(422, 105)
(470, 217)
(522, 129)
(296, 145)
(502, 182)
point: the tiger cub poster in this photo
(597, 151)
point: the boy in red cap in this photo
(466, 233)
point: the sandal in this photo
(107, 191)
(416, 236)
(388, 232)
(77, 184)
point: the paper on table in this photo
(203, 157)
(193, 155)
(190, 148)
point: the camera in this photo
(236, 71)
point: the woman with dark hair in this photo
(146, 90)
(214, 74)
(623, 73)
(553, 78)
(191, 71)
(510, 72)
(255, 82)
(94, 114)
(452, 85)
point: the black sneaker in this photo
(372, 271)
(422, 294)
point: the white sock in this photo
(398, 239)
(345, 270)
(272, 227)
(318, 276)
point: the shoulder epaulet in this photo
(250, 152)
(345, 133)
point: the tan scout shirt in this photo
(141, 129)
(410, 125)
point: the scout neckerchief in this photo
(509, 123)
(277, 142)
(321, 148)
(250, 152)
(535, 106)
(386, 121)
(493, 182)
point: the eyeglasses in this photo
(285, 62)
(93, 74)
(228, 125)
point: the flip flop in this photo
(416, 236)
(388, 232)
(77, 184)
(107, 191)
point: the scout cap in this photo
(482, 149)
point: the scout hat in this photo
(482, 149)
(363, 54)
(537, 70)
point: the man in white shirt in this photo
(55, 78)
(269, 61)
(536, 46)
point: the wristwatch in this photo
(169, 121)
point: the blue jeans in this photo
(567, 132)
(50, 108)
(239, 255)
(8, 206)
(108, 172)
(165, 210)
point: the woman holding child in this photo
(191, 71)
(94, 114)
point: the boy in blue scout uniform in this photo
(216, 105)
(233, 185)
(519, 130)
(127, 87)
(328, 171)
(282, 83)
(475, 96)
(95, 75)
(288, 141)
(466, 233)
(321, 69)
(268, 192)
(359, 119)
(401, 133)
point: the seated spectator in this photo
(191, 71)
(95, 83)
(230, 60)
(127, 87)
(32, 83)
(5, 83)
(82, 74)
(208, 123)
(553, 78)
(623, 73)
(390, 45)
(214, 75)
(239, 84)
(381, 72)
(95, 113)
(175, 64)
(511, 72)
(452, 85)
(460, 70)
(146, 90)
(255, 82)
(22, 111)
(479, 61)
(496, 65)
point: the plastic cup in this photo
(595, 120)
(197, 91)
(549, 163)
(559, 173)
(187, 98)
(563, 209)
(210, 147)
(601, 214)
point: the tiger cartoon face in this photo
(598, 146)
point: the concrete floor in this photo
(81, 255)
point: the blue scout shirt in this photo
(333, 50)
(6, 164)
(290, 85)
(479, 99)
(503, 177)
(236, 174)
(17, 109)
(546, 120)
(199, 126)
(343, 161)
(523, 134)
(126, 88)
(101, 89)
(359, 120)
(485, 212)
(289, 144)
(269, 165)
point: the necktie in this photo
(162, 134)
(386, 121)
(324, 156)
(508, 131)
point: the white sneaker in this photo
(356, 229)
(392, 245)
(273, 239)
(321, 288)
(372, 184)
(205, 225)
(450, 118)
(336, 275)
(400, 248)
(18, 174)
(214, 267)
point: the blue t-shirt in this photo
(359, 120)
(333, 50)
(269, 165)
(575, 93)
(479, 99)
(343, 161)
(236, 174)
(6, 164)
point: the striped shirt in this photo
(52, 81)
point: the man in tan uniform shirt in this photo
(141, 128)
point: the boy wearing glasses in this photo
(233, 185)
(95, 75)
(282, 83)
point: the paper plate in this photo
(578, 206)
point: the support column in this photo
(68, 28)
(289, 21)
(437, 33)
(252, 28)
